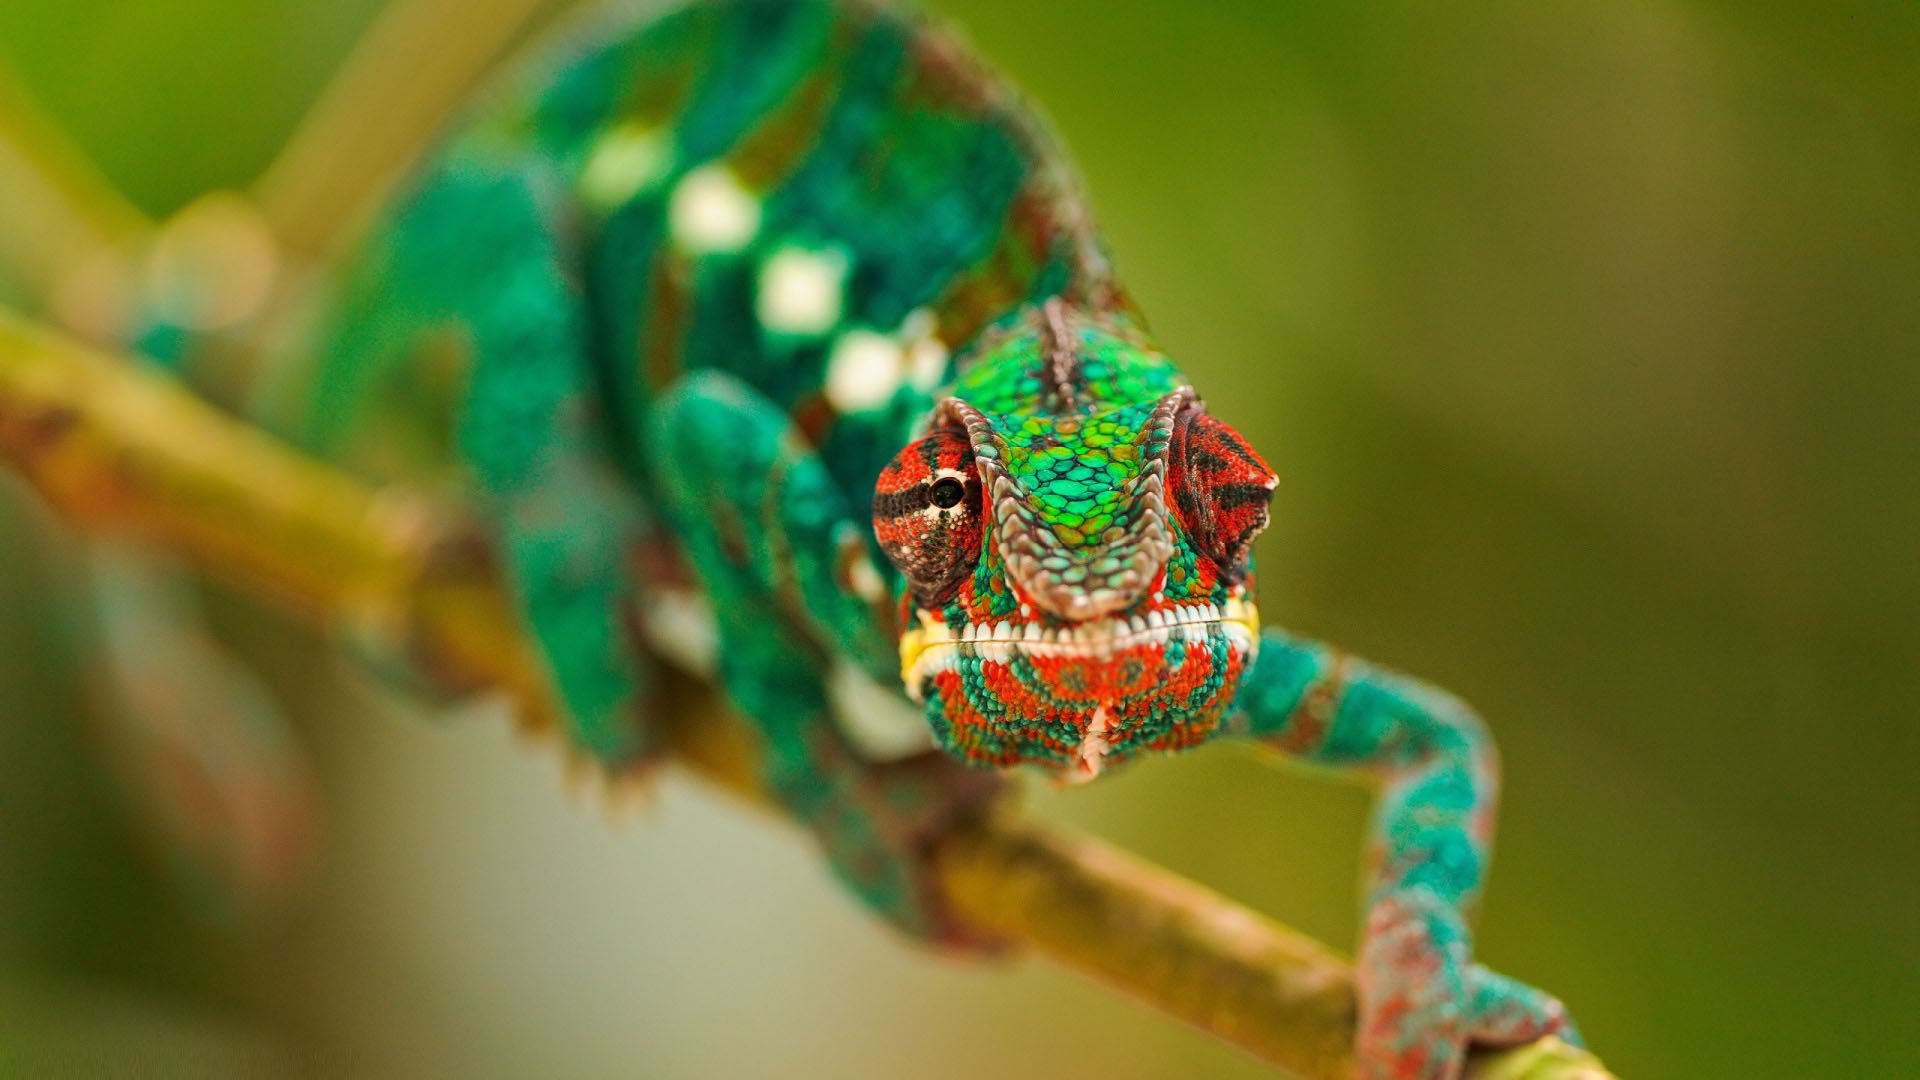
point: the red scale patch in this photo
(1220, 491)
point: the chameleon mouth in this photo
(933, 647)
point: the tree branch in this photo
(63, 229)
(411, 69)
(115, 450)
(84, 254)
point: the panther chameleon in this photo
(773, 339)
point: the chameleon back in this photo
(826, 199)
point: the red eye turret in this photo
(1220, 490)
(928, 516)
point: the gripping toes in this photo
(1508, 1013)
(1422, 1004)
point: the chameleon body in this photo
(792, 308)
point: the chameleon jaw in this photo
(932, 645)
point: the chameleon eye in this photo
(927, 514)
(1220, 490)
(948, 492)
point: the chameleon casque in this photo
(774, 338)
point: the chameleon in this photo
(775, 340)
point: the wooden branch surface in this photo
(116, 450)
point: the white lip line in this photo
(928, 662)
(1091, 645)
(1237, 609)
(1238, 619)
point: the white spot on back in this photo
(864, 371)
(624, 160)
(877, 721)
(866, 581)
(928, 361)
(926, 353)
(711, 212)
(680, 626)
(801, 291)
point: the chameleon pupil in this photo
(947, 493)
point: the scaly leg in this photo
(778, 553)
(480, 257)
(1422, 1000)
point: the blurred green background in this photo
(1584, 337)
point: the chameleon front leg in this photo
(789, 574)
(1422, 1000)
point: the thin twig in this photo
(60, 219)
(118, 451)
(77, 247)
(410, 70)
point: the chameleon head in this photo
(1074, 530)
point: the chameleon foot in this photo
(1422, 1005)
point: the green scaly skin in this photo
(667, 313)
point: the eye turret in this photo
(928, 515)
(1221, 489)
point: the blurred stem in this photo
(407, 74)
(62, 225)
(70, 239)
(118, 451)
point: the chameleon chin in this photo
(1091, 693)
